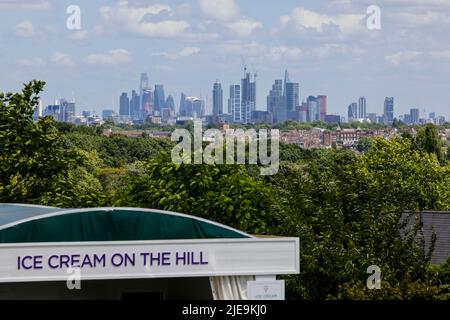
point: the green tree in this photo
(349, 212)
(428, 140)
(223, 193)
(38, 165)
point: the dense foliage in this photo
(350, 210)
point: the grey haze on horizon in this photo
(188, 44)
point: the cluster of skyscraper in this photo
(149, 102)
(62, 111)
(283, 103)
(358, 112)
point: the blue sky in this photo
(188, 44)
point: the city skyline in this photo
(187, 45)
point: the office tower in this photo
(159, 97)
(432, 116)
(275, 102)
(217, 98)
(182, 110)
(362, 105)
(148, 104)
(86, 114)
(292, 96)
(124, 109)
(322, 100)
(194, 107)
(107, 114)
(66, 111)
(372, 117)
(286, 80)
(414, 114)
(135, 106)
(352, 112)
(170, 103)
(143, 85)
(388, 110)
(248, 97)
(313, 109)
(234, 102)
(54, 111)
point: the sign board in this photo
(148, 259)
(265, 290)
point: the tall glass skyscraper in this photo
(389, 110)
(248, 97)
(217, 98)
(135, 105)
(124, 109)
(234, 102)
(292, 95)
(362, 108)
(160, 99)
(275, 102)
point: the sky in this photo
(188, 44)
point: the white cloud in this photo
(136, 20)
(285, 53)
(29, 5)
(244, 27)
(33, 62)
(403, 57)
(189, 51)
(302, 19)
(62, 59)
(112, 58)
(79, 35)
(25, 29)
(419, 58)
(421, 18)
(240, 48)
(222, 10)
(185, 52)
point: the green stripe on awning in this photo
(110, 224)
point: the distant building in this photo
(275, 102)
(313, 109)
(159, 97)
(170, 103)
(331, 118)
(262, 117)
(292, 96)
(107, 115)
(362, 109)
(372, 117)
(182, 110)
(124, 109)
(388, 110)
(217, 98)
(67, 111)
(248, 97)
(234, 103)
(135, 106)
(148, 105)
(352, 112)
(322, 100)
(415, 115)
(195, 107)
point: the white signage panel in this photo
(149, 259)
(265, 290)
